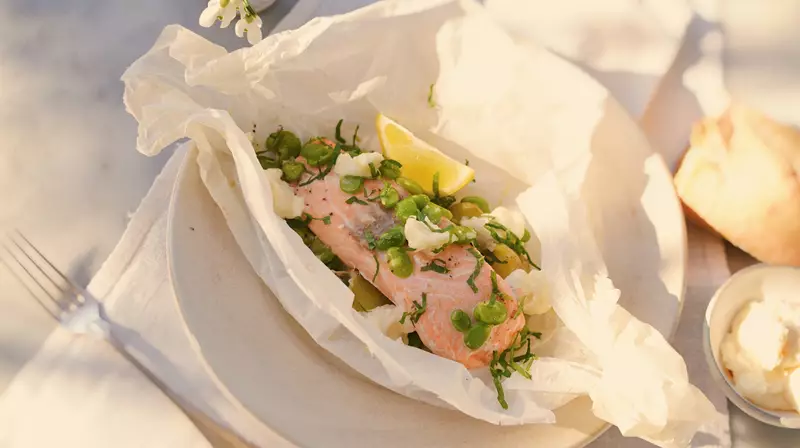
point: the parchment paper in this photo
(524, 121)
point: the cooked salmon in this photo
(350, 228)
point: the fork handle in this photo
(216, 434)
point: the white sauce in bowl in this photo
(761, 351)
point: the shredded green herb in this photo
(441, 201)
(478, 266)
(436, 265)
(353, 199)
(305, 219)
(339, 132)
(355, 137)
(377, 267)
(370, 238)
(509, 239)
(537, 335)
(374, 172)
(505, 363)
(492, 258)
(431, 102)
(327, 169)
(419, 310)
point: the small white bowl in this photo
(752, 283)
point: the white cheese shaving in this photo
(358, 165)
(421, 237)
(532, 289)
(284, 201)
(513, 220)
(478, 224)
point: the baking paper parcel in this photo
(525, 122)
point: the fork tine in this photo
(64, 301)
(26, 284)
(72, 286)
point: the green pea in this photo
(351, 184)
(292, 170)
(479, 201)
(323, 252)
(399, 262)
(285, 143)
(476, 336)
(460, 320)
(526, 236)
(392, 238)
(409, 185)
(490, 313)
(267, 163)
(390, 169)
(316, 153)
(421, 200)
(435, 213)
(389, 196)
(406, 208)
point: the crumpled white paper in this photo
(525, 122)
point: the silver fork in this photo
(79, 312)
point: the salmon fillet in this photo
(346, 235)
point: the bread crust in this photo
(741, 178)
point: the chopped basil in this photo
(436, 265)
(477, 270)
(353, 199)
(419, 310)
(339, 132)
(390, 169)
(431, 102)
(370, 238)
(505, 363)
(509, 239)
(373, 172)
(377, 267)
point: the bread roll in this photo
(741, 177)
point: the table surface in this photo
(70, 175)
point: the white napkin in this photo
(135, 288)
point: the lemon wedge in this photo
(420, 160)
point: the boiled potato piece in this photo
(367, 296)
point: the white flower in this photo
(532, 289)
(358, 165)
(222, 10)
(512, 220)
(284, 201)
(250, 25)
(421, 237)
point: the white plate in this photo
(312, 399)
